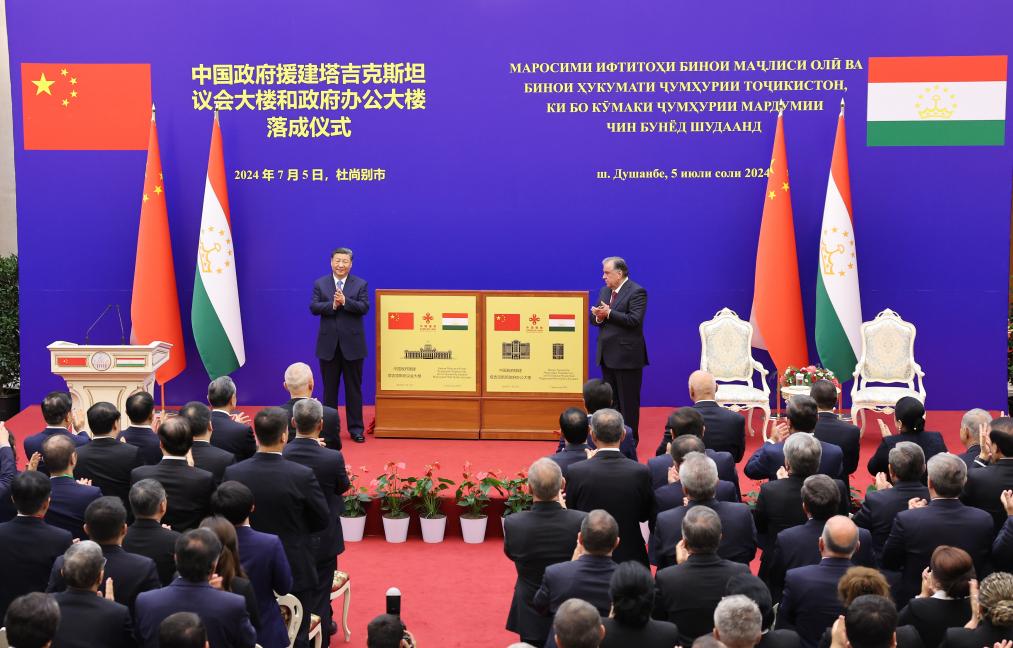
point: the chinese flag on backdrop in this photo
(507, 322)
(401, 321)
(154, 304)
(86, 106)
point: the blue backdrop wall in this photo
(485, 188)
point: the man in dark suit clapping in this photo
(535, 539)
(230, 432)
(205, 456)
(289, 503)
(831, 429)
(62, 420)
(612, 482)
(87, 617)
(70, 498)
(106, 461)
(881, 506)
(187, 488)
(141, 433)
(688, 421)
(329, 467)
(574, 427)
(146, 536)
(985, 485)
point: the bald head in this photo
(299, 380)
(702, 386)
(545, 480)
(840, 538)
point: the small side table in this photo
(787, 391)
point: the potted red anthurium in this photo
(473, 494)
(395, 493)
(427, 490)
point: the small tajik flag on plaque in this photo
(455, 321)
(563, 323)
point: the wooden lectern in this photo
(109, 373)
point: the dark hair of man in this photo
(685, 444)
(907, 460)
(196, 553)
(632, 592)
(597, 395)
(607, 426)
(105, 518)
(145, 498)
(176, 436)
(102, 418)
(233, 501)
(182, 630)
(953, 569)
(56, 452)
(140, 405)
(821, 497)
(618, 264)
(220, 391)
(573, 423)
(269, 425)
(701, 529)
(870, 622)
(198, 415)
(1002, 435)
(685, 420)
(599, 532)
(802, 413)
(29, 490)
(55, 407)
(384, 631)
(824, 393)
(577, 624)
(343, 250)
(753, 587)
(31, 620)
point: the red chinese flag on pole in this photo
(154, 305)
(776, 315)
(85, 106)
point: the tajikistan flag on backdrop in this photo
(217, 323)
(838, 302)
(937, 101)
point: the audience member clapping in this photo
(630, 622)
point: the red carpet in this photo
(456, 594)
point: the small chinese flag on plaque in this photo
(401, 321)
(507, 322)
(86, 106)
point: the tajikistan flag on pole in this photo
(838, 303)
(217, 323)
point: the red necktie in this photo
(612, 300)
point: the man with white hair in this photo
(972, 424)
(738, 622)
(299, 385)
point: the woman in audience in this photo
(910, 415)
(859, 581)
(991, 617)
(630, 624)
(944, 601)
(229, 569)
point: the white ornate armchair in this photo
(726, 352)
(888, 344)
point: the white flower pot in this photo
(433, 529)
(473, 529)
(353, 527)
(395, 530)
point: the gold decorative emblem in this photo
(942, 103)
(837, 252)
(214, 252)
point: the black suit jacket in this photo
(622, 487)
(846, 436)
(881, 507)
(149, 538)
(586, 578)
(187, 490)
(724, 430)
(68, 503)
(970, 457)
(931, 444)
(984, 635)
(214, 460)
(290, 505)
(29, 548)
(533, 540)
(931, 617)
(1002, 548)
(779, 506)
(232, 436)
(146, 441)
(671, 496)
(107, 463)
(569, 455)
(917, 533)
(621, 342)
(687, 594)
(88, 620)
(329, 467)
(342, 328)
(738, 534)
(799, 546)
(653, 634)
(8, 470)
(660, 463)
(131, 574)
(985, 485)
(779, 639)
(33, 444)
(331, 434)
(810, 603)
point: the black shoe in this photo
(358, 438)
(334, 628)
